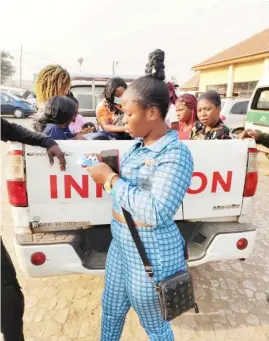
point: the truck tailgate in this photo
(218, 180)
(67, 200)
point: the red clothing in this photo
(183, 135)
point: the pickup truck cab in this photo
(89, 89)
(62, 219)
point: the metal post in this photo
(21, 66)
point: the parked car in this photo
(12, 105)
(27, 95)
(10, 90)
(234, 111)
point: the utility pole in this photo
(21, 66)
(80, 61)
(114, 64)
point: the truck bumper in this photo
(208, 242)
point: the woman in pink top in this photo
(186, 109)
(76, 125)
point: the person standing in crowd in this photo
(12, 299)
(109, 113)
(154, 177)
(52, 81)
(171, 117)
(209, 126)
(257, 135)
(186, 109)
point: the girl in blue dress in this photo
(154, 176)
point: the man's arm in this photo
(264, 139)
(257, 135)
(14, 132)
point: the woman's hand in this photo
(100, 172)
(87, 130)
(79, 137)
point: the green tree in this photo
(7, 68)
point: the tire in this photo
(18, 113)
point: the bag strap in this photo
(138, 242)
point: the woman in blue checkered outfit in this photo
(155, 174)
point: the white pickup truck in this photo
(62, 220)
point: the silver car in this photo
(234, 112)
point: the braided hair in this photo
(151, 90)
(51, 81)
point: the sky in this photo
(103, 31)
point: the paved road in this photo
(231, 295)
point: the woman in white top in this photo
(171, 119)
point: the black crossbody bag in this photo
(175, 293)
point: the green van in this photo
(258, 109)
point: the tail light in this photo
(16, 186)
(38, 258)
(242, 244)
(251, 180)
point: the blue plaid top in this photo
(153, 180)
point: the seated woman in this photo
(209, 126)
(108, 111)
(186, 109)
(57, 113)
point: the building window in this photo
(220, 88)
(244, 89)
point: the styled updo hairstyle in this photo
(151, 90)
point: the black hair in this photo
(111, 86)
(211, 96)
(88, 125)
(71, 96)
(151, 90)
(57, 110)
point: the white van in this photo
(258, 109)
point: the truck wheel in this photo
(18, 113)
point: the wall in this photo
(213, 77)
(244, 72)
(247, 72)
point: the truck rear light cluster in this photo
(251, 180)
(242, 244)
(38, 258)
(16, 186)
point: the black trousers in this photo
(12, 300)
(12, 309)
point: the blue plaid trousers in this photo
(127, 284)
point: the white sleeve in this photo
(173, 114)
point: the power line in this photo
(35, 55)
